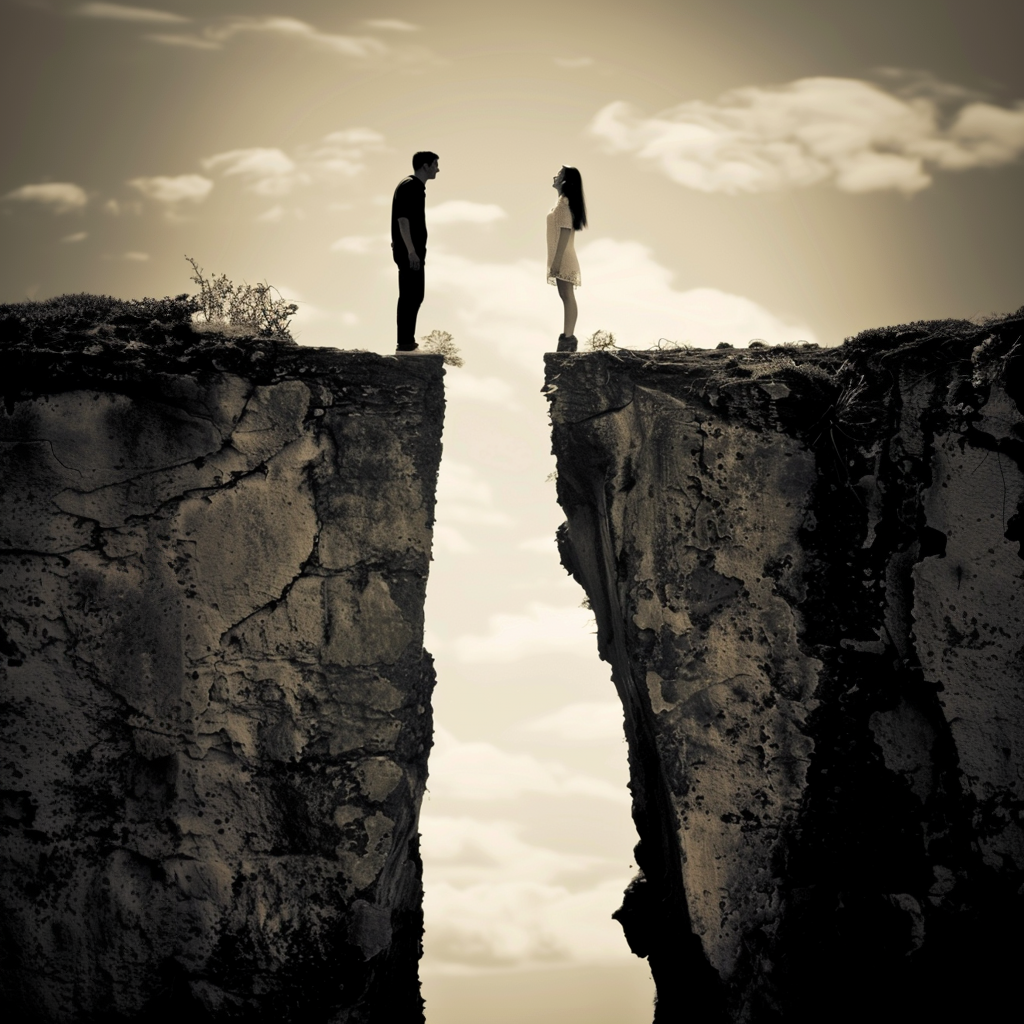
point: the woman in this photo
(567, 216)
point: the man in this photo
(409, 244)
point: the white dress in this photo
(560, 217)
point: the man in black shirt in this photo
(409, 244)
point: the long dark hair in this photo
(572, 189)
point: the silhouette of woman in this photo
(566, 217)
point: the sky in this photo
(788, 170)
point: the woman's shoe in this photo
(566, 344)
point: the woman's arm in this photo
(564, 234)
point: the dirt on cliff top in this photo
(985, 348)
(74, 341)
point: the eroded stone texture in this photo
(806, 571)
(216, 701)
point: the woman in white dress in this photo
(567, 216)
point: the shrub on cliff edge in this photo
(251, 308)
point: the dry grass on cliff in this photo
(67, 314)
(240, 309)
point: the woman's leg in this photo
(568, 296)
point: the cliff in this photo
(216, 704)
(806, 571)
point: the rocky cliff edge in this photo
(806, 568)
(216, 704)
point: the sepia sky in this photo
(776, 169)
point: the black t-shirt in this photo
(409, 201)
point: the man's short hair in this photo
(424, 156)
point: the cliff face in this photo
(806, 571)
(216, 707)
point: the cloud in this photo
(119, 12)
(625, 290)
(187, 42)
(272, 216)
(78, 236)
(517, 924)
(216, 34)
(462, 497)
(292, 28)
(542, 545)
(116, 208)
(340, 154)
(467, 851)
(850, 132)
(541, 629)
(462, 211)
(268, 172)
(585, 722)
(447, 538)
(60, 196)
(391, 25)
(135, 257)
(479, 771)
(574, 62)
(467, 387)
(272, 172)
(191, 188)
(361, 244)
(253, 163)
(493, 900)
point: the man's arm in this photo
(403, 230)
(563, 240)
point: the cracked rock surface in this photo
(216, 703)
(806, 569)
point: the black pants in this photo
(410, 298)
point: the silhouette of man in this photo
(409, 244)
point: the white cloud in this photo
(272, 216)
(360, 48)
(341, 154)
(542, 545)
(541, 629)
(851, 132)
(253, 163)
(462, 497)
(267, 172)
(116, 208)
(312, 324)
(361, 244)
(467, 387)
(462, 211)
(120, 12)
(78, 236)
(60, 196)
(187, 42)
(192, 188)
(293, 28)
(509, 305)
(272, 172)
(574, 62)
(136, 257)
(492, 900)
(466, 851)
(479, 771)
(451, 540)
(585, 722)
(519, 924)
(391, 25)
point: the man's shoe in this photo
(566, 344)
(415, 351)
